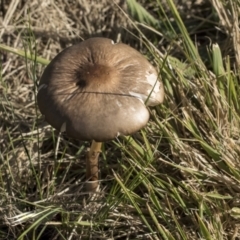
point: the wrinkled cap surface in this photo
(97, 90)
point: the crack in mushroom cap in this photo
(99, 90)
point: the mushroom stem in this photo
(92, 166)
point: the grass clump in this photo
(178, 178)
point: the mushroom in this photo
(97, 90)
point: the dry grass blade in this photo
(229, 21)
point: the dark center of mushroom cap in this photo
(95, 77)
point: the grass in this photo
(178, 178)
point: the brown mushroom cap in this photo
(97, 90)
